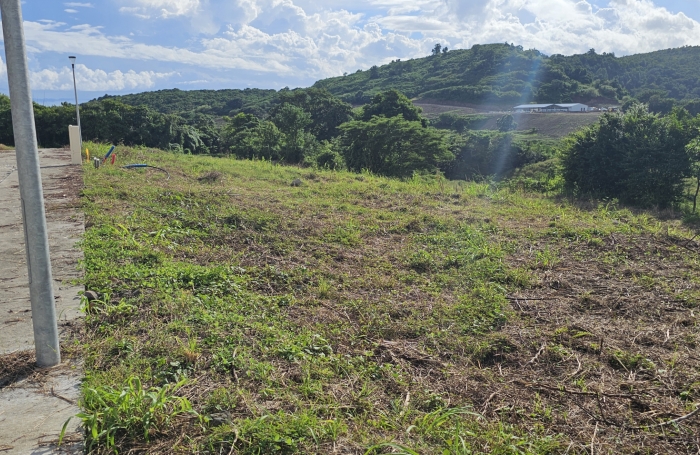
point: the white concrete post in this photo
(33, 215)
(75, 145)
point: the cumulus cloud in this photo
(309, 39)
(44, 37)
(94, 79)
(335, 36)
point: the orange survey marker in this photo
(87, 154)
(114, 157)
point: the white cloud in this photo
(310, 39)
(72, 11)
(326, 38)
(95, 80)
(89, 40)
(135, 11)
(79, 5)
(165, 8)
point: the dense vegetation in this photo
(388, 136)
(644, 158)
(639, 157)
(501, 75)
(211, 102)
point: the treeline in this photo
(191, 103)
(310, 127)
(117, 123)
(387, 136)
(639, 157)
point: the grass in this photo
(358, 314)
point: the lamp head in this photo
(72, 59)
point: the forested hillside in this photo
(487, 76)
(503, 75)
(211, 102)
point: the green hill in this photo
(497, 75)
(483, 77)
(211, 102)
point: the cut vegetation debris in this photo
(355, 314)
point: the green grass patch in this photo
(241, 314)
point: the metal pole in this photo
(77, 108)
(34, 218)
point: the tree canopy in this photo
(391, 103)
(638, 157)
(392, 146)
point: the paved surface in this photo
(34, 404)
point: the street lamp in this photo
(77, 106)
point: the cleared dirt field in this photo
(354, 314)
(550, 125)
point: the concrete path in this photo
(35, 403)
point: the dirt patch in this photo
(434, 110)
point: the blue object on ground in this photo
(140, 165)
(109, 153)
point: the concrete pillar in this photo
(75, 152)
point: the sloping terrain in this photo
(550, 125)
(211, 102)
(353, 314)
(484, 77)
(501, 75)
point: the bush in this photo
(392, 146)
(638, 157)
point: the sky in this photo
(128, 46)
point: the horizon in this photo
(134, 46)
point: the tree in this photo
(291, 121)
(436, 49)
(265, 141)
(693, 149)
(327, 112)
(392, 146)
(374, 72)
(391, 103)
(445, 50)
(506, 123)
(248, 137)
(638, 157)
(236, 132)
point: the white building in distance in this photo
(570, 107)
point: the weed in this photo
(134, 412)
(629, 361)
(324, 289)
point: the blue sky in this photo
(126, 46)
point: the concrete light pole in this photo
(33, 214)
(77, 106)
